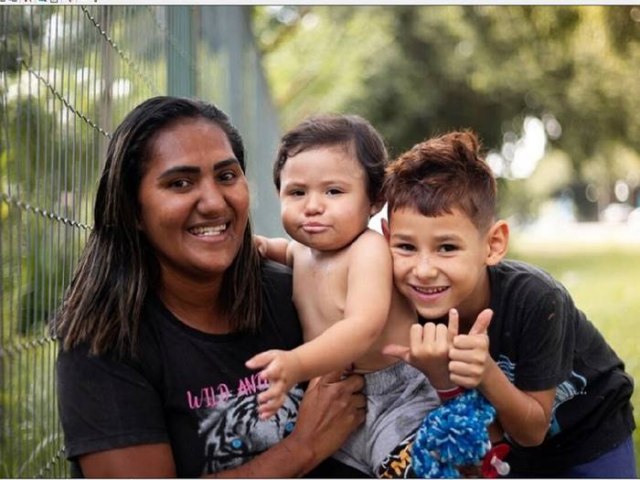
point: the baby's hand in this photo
(429, 350)
(261, 244)
(280, 369)
(469, 354)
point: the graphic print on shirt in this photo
(573, 386)
(234, 434)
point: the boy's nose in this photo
(425, 268)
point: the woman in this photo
(169, 300)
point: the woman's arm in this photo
(330, 411)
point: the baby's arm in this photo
(366, 309)
(276, 249)
(524, 415)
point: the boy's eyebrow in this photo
(447, 237)
(190, 169)
(401, 236)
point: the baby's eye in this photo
(334, 191)
(448, 247)
(296, 193)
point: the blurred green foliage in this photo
(416, 71)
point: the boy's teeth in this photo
(431, 291)
(209, 231)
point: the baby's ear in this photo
(497, 242)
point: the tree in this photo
(415, 71)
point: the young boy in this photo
(329, 173)
(561, 394)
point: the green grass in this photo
(603, 280)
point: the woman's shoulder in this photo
(276, 275)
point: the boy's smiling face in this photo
(440, 262)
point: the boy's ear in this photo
(497, 242)
(385, 228)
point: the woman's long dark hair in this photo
(118, 267)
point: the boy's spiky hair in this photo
(440, 174)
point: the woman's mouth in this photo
(209, 230)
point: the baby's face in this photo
(439, 263)
(323, 198)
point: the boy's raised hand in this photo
(428, 350)
(469, 354)
(281, 369)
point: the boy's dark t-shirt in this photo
(540, 340)
(186, 387)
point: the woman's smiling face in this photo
(193, 200)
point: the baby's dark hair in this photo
(350, 131)
(440, 174)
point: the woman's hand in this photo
(330, 411)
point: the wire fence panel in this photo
(68, 75)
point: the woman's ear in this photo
(497, 242)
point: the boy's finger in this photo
(416, 335)
(481, 325)
(452, 326)
(397, 351)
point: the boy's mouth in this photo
(429, 290)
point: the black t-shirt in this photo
(188, 388)
(541, 340)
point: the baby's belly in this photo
(373, 361)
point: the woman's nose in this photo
(211, 199)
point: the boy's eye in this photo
(448, 247)
(405, 247)
(295, 193)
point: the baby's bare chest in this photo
(320, 294)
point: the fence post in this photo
(180, 75)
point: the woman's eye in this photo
(180, 184)
(227, 176)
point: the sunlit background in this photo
(552, 91)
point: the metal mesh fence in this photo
(68, 74)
